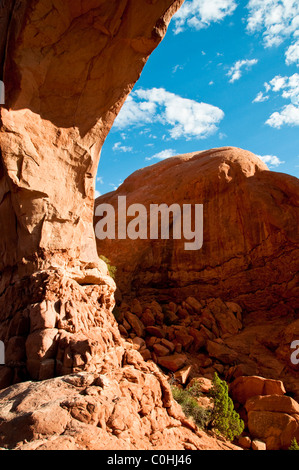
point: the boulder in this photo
(155, 331)
(244, 442)
(172, 363)
(182, 375)
(274, 403)
(168, 344)
(221, 351)
(148, 318)
(273, 419)
(194, 303)
(243, 388)
(160, 350)
(135, 323)
(183, 337)
(205, 385)
(258, 445)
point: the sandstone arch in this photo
(68, 67)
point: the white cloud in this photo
(277, 83)
(163, 155)
(271, 160)
(236, 70)
(288, 87)
(185, 117)
(117, 147)
(289, 115)
(200, 14)
(100, 180)
(260, 98)
(276, 19)
(97, 194)
(132, 113)
(222, 136)
(292, 54)
(177, 67)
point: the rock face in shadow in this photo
(250, 233)
(68, 68)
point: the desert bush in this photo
(294, 445)
(225, 419)
(111, 269)
(190, 406)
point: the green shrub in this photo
(194, 390)
(224, 417)
(190, 406)
(111, 269)
(294, 445)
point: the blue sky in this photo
(226, 74)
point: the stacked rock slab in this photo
(67, 68)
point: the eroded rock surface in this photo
(125, 409)
(233, 305)
(68, 68)
(250, 245)
(215, 336)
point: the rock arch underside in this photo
(71, 380)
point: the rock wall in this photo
(249, 261)
(250, 252)
(68, 68)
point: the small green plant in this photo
(194, 390)
(190, 406)
(294, 445)
(225, 419)
(111, 269)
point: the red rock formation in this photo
(68, 68)
(215, 336)
(244, 388)
(124, 409)
(274, 419)
(250, 248)
(249, 263)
